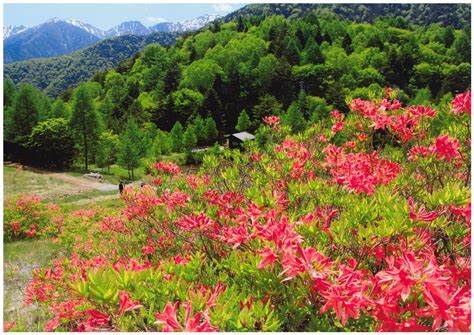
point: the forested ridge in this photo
(456, 15)
(229, 76)
(54, 75)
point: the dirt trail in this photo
(82, 182)
(50, 184)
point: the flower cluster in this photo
(28, 216)
(308, 233)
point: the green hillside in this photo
(456, 15)
(54, 75)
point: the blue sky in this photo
(105, 16)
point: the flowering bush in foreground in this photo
(302, 234)
(27, 217)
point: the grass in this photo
(109, 200)
(117, 173)
(19, 260)
(114, 176)
(16, 181)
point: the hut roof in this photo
(244, 136)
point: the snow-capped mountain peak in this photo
(198, 22)
(12, 30)
(128, 28)
(54, 20)
(187, 25)
(87, 27)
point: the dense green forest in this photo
(228, 77)
(54, 75)
(456, 15)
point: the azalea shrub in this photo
(27, 217)
(360, 223)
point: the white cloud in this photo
(222, 8)
(155, 19)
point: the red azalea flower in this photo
(462, 103)
(168, 318)
(127, 304)
(446, 147)
(272, 120)
(7, 326)
(337, 127)
(462, 211)
(148, 250)
(157, 181)
(269, 258)
(168, 167)
(336, 115)
(422, 111)
(421, 215)
(30, 233)
(97, 319)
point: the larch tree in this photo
(176, 134)
(129, 148)
(107, 149)
(84, 121)
(189, 139)
(243, 122)
(23, 115)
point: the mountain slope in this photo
(49, 39)
(457, 15)
(54, 75)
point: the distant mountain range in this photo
(58, 37)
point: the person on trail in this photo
(121, 187)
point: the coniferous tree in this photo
(9, 91)
(347, 44)
(176, 134)
(294, 118)
(162, 145)
(312, 53)
(240, 25)
(189, 139)
(303, 103)
(199, 126)
(210, 130)
(59, 110)
(129, 148)
(243, 122)
(268, 105)
(327, 37)
(448, 37)
(23, 115)
(84, 121)
(106, 154)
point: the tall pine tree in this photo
(23, 115)
(84, 121)
(129, 148)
